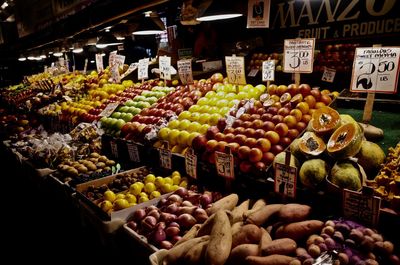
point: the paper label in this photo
(185, 71)
(235, 70)
(143, 69)
(85, 66)
(258, 13)
(132, 67)
(191, 163)
(328, 75)
(165, 67)
(285, 180)
(133, 152)
(114, 148)
(109, 109)
(224, 165)
(165, 158)
(253, 72)
(298, 55)
(99, 63)
(268, 71)
(111, 58)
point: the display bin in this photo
(140, 238)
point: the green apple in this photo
(222, 103)
(173, 124)
(184, 115)
(191, 137)
(163, 133)
(204, 109)
(210, 94)
(173, 137)
(203, 101)
(183, 124)
(214, 119)
(204, 118)
(224, 110)
(220, 95)
(194, 127)
(194, 108)
(124, 108)
(204, 128)
(230, 96)
(116, 115)
(183, 138)
(194, 116)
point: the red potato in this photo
(299, 230)
(283, 246)
(262, 215)
(294, 212)
(269, 260)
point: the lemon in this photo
(135, 189)
(120, 196)
(176, 179)
(175, 187)
(159, 181)
(175, 173)
(155, 194)
(130, 198)
(141, 185)
(120, 204)
(149, 178)
(168, 180)
(149, 187)
(106, 205)
(143, 194)
(143, 199)
(109, 195)
(166, 188)
(183, 184)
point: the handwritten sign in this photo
(143, 69)
(235, 70)
(285, 180)
(133, 152)
(99, 62)
(298, 55)
(268, 71)
(258, 12)
(191, 163)
(111, 58)
(376, 70)
(114, 148)
(109, 109)
(132, 67)
(165, 67)
(185, 71)
(361, 207)
(165, 156)
(328, 75)
(224, 165)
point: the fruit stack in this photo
(338, 56)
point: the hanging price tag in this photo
(268, 71)
(133, 152)
(107, 111)
(165, 156)
(328, 75)
(361, 207)
(376, 70)
(114, 148)
(224, 165)
(285, 180)
(191, 163)
(185, 71)
(143, 69)
(165, 67)
(99, 62)
(235, 70)
(298, 55)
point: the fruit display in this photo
(15, 123)
(274, 234)
(167, 222)
(339, 57)
(257, 59)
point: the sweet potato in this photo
(195, 255)
(237, 213)
(192, 233)
(248, 234)
(227, 203)
(283, 246)
(220, 244)
(236, 227)
(205, 228)
(178, 252)
(239, 253)
(275, 259)
(257, 205)
(294, 212)
(262, 215)
(265, 238)
(299, 230)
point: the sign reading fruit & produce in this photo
(268, 71)
(376, 70)
(285, 180)
(224, 165)
(298, 55)
(185, 71)
(235, 70)
(143, 69)
(191, 163)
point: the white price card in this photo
(143, 69)
(191, 163)
(85, 66)
(109, 109)
(132, 67)
(285, 180)
(268, 71)
(253, 72)
(360, 207)
(298, 55)
(224, 165)
(165, 158)
(328, 75)
(114, 148)
(99, 62)
(165, 67)
(111, 58)
(376, 70)
(185, 71)
(235, 70)
(133, 152)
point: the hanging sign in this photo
(376, 70)
(285, 180)
(235, 70)
(298, 55)
(143, 69)
(268, 71)
(191, 163)
(328, 75)
(258, 12)
(133, 152)
(185, 71)
(165, 67)
(99, 63)
(109, 109)
(224, 165)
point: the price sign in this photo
(253, 73)
(298, 55)
(285, 180)
(165, 67)
(376, 70)
(224, 165)
(143, 69)
(107, 111)
(235, 70)
(99, 62)
(85, 66)
(111, 58)
(132, 67)
(328, 75)
(185, 71)
(361, 207)
(268, 71)
(133, 152)
(191, 163)
(114, 148)
(165, 158)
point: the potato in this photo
(283, 246)
(179, 251)
(227, 203)
(257, 205)
(294, 212)
(269, 260)
(205, 228)
(265, 238)
(248, 234)
(195, 255)
(263, 214)
(220, 243)
(239, 253)
(299, 230)
(192, 233)
(236, 227)
(237, 213)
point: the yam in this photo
(178, 252)
(239, 253)
(274, 259)
(192, 233)
(257, 205)
(236, 227)
(262, 215)
(283, 246)
(205, 228)
(195, 255)
(265, 238)
(227, 203)
(237, 213)
(299, 230)
(220, 244)
(294, 212)
(248, 234)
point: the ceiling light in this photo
(106, 40)
(218, 10)
(58, 54)
(148, 25)
(43, 56)
(77, 50)
(4, 5)
(22, 58)
(120, 38)
(31, 58)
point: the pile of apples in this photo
(339, 57)
(257, 59)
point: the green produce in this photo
(313, 172)
(346, 176)
(371, 157)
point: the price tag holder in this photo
(268, 71)
(224, 165)
(361, 206)
(328, 75)
(133, 152)
(107, 111)
(185, 71)
(165, 156)
(143, 69)
(285, 180)
(298, 55)
(165, 67)
(253, 73)
(376, 69)
(235, 70)
(191, 163)
(114, 148)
